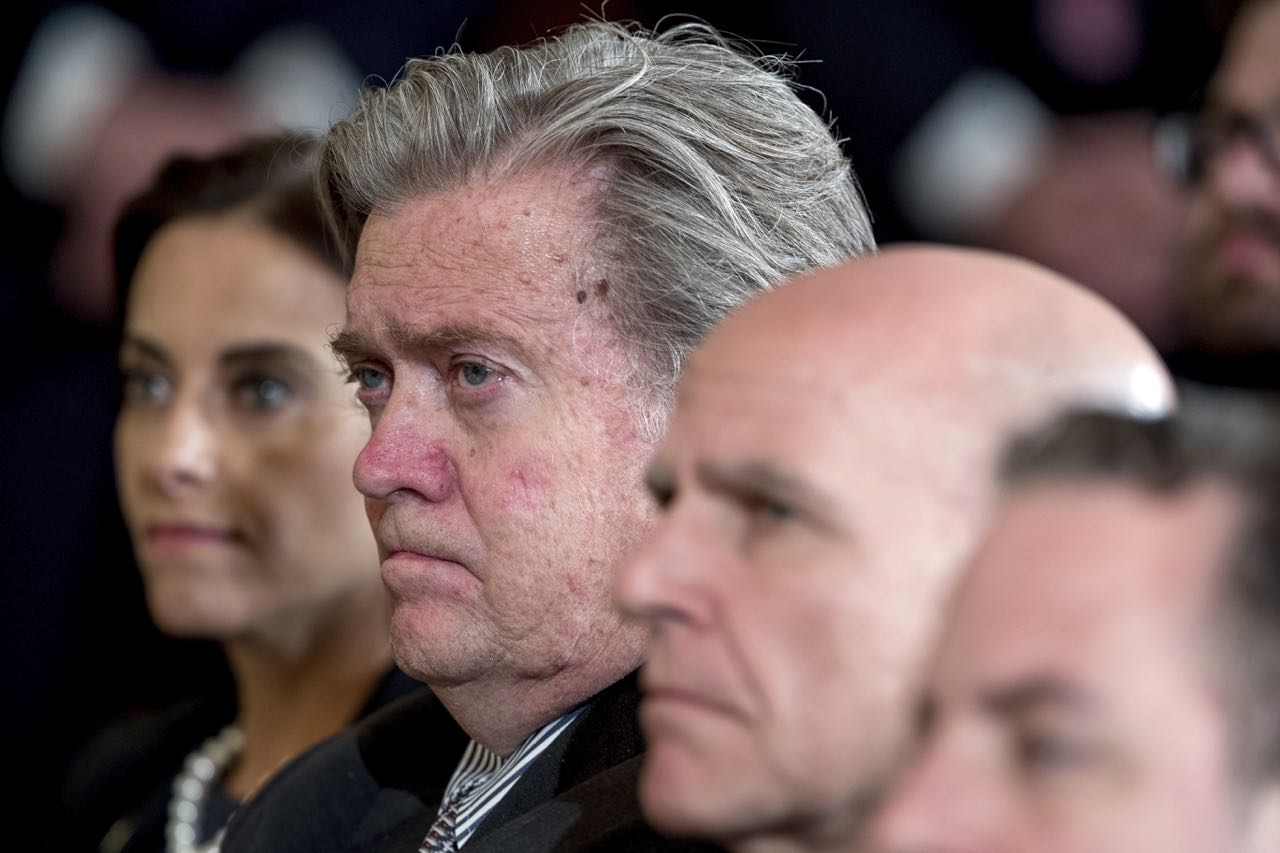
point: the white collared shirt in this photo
(490, 777)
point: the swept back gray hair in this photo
(718, 181)
(1230, 437)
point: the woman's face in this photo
(237, 434)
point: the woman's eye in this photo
(473, 374)
(263, 393)
(145, 388)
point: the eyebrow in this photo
(148, 348)
(1034, 693)
(287, 355)
(765, 479)
(350, 346)
(268, 352)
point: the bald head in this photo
(828, 468)
(1013, 338)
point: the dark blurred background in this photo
(1024, 126)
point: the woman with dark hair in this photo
(234, 445)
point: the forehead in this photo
(1086, 581)
(515, 251)
(219, 279)
(846, 427)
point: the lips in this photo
(185, 534)
(1246, 253)
(661, 692)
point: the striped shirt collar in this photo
(482, 778)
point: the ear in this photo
(1262, 821)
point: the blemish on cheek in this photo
(581, 296)
(525, 487)
(602, 287)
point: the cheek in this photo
(301, 476)
(126, 448)
(526, 486)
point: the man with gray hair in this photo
(539, 236)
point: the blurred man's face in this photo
(1069, 708)
(792, 587)
(1232, 304)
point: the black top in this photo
(117, 792)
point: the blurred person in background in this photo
(1228, 155)
(1024, 128)
(1109, 677)
(233, 447)
(826, 472)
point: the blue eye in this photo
(145, 388)
(368, 378)
(263, 393)
(474, 374)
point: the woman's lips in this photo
(186, 535)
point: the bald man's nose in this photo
(661, 581)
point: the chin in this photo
(179, 613)
(682, 800)
(432, 645)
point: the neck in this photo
(501, 715)
(299, 686)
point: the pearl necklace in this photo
(200, 772)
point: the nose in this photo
(1240, 176)
(939, 805)
(661, 582)
(186, 452)
(405, 455)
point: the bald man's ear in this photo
(1262, 821)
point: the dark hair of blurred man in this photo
(1110, 674)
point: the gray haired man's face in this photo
(503, 477)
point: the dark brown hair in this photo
(1227, 437)
(270, 180)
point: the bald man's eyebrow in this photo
(766, 482)
(1036, 693)
(351, 346)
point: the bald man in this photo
(826, 472)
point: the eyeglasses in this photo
(1188, 143)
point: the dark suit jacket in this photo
(378, 787)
